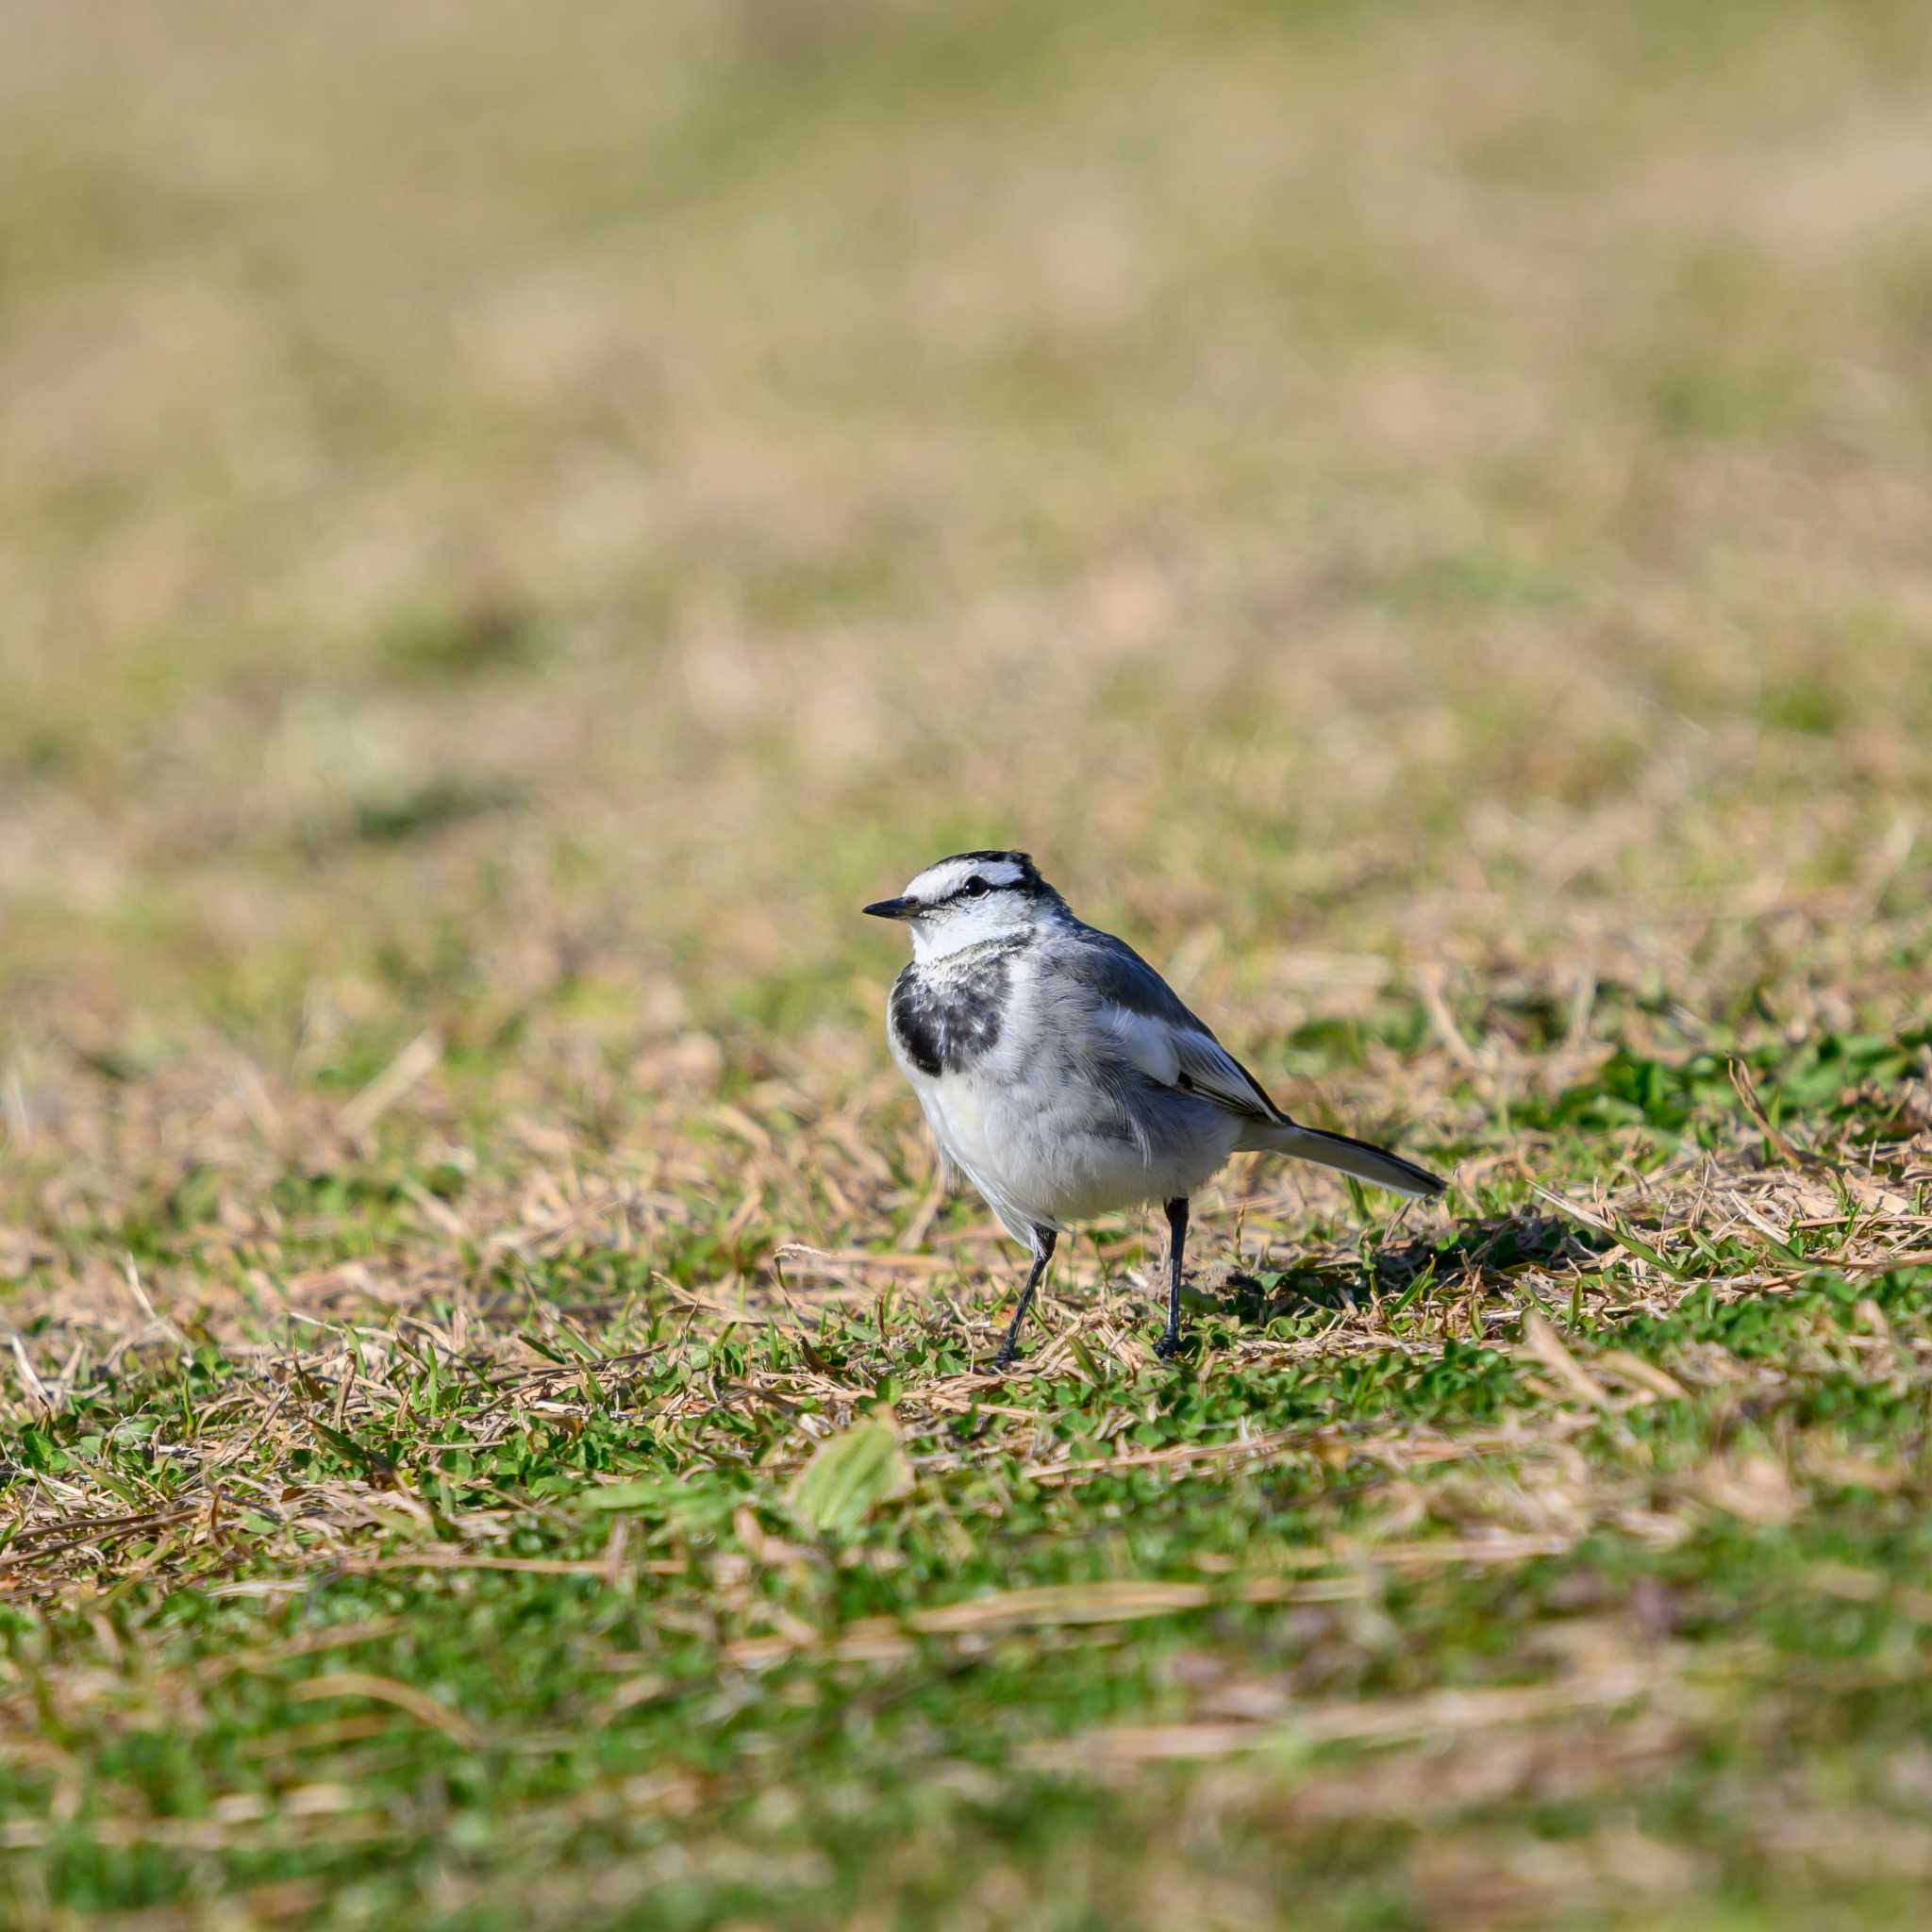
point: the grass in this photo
(512, 535)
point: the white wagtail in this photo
(1062, 1075)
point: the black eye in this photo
(975, 888)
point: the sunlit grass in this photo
(513, 530)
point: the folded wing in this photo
(1137, 1013)
(1157, 1036)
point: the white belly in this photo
(1046, 1155)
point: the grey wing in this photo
(1134, 1010)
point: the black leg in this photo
(1044, 1239)
(1170, 1343)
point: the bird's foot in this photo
(1169, 1346)
(1004, 1358)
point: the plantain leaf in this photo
(849, 1475)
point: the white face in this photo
(964, 901)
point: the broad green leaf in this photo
(849, 1475)
(646, 1492)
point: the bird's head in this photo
(969, 899)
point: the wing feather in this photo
(1214, 1073)
(1156, 1034)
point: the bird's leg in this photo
(1044, 1239)
(1170, 1343)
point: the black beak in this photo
(892, 908)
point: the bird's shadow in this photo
(1462, 1258)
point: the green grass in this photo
(690, 1684)
(517, 1579)
(513, 531)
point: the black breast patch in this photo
(947, 1021)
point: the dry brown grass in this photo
(511, 528)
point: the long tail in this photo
(1376, 1165)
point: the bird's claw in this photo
(1168, 1347)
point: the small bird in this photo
(1062, 1075)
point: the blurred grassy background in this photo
(660, 473)
(514, 521)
